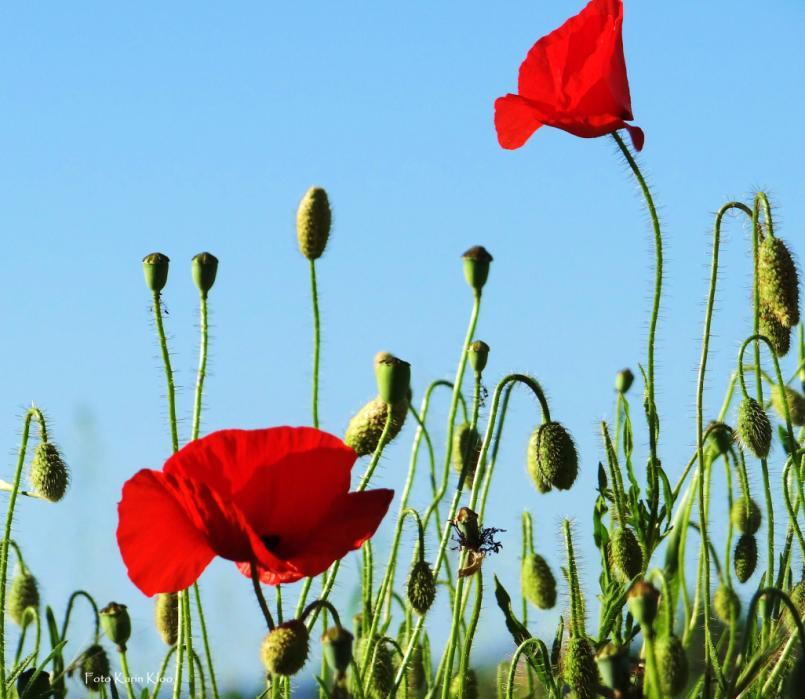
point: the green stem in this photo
(166, 363)
(205, 640)
(124, 665)
(261, 600)
(464, 663)
(161, 673)
(314, 296)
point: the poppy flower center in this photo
(270, 541)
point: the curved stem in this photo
(71, 602)
(522, 648)
(261, 600)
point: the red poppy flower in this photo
(277, 498)
(573, 79)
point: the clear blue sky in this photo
(184, 127)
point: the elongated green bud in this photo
(745, 515)
(22, 596)
(470, 681)
(772, 328)
(552, 457)
(417, 678)
(726, 604)
(476, 267)
(579, 669)
(94, 668)
(49, 474)
(478, 354)
(643, 601)
(313, 221)
(538, 582)
(204, 269)
(366, 427)
(116, 624)
(672, 665)
(166, 617)
(625, 554)
(38, 689)
(381, 670)
(466, 450)
(393, 378)
(155, 269)
(337, 645)
(421, 588)
(285, 648)
(778, 281)
(623, 380)
(744, 559)
(796, 404)
(754, 427)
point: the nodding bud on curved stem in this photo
(624, 380)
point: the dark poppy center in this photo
(270, 541)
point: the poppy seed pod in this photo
(672, 664)
(552, 456)
(366, 427)
(381, 670)
(466, 450)
(625, 554)
(623, 380)
(643, 601)
(155, 269)
(470, 680)
(49, 474)
(778, 281)
(95, 670)
(393, 377)
(745, 515)
(476, 266)
(38, 689)
(204, 269)
(478, 354)
(22, 596)
(744, 559)
(613, 668)
(720, 437)
(774, 330)
(166, 617)
(538, 582)
(285, 648)
(337, 645)
(421, 588)
(796, 404)
(313, 221)
(726, 604)
(579, 669)
(754, 427)
(116, 624)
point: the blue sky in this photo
(184, 127)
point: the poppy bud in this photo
(417, 679)
(166, 616)
(381, 671)
(579, 669)
(796, 404)
(421, 587)
(613, 667)
(116, 624)
(538, 582)
(745, 515)
(313, 221)
(22, 596)
(623, 380)
(205, 268)
(337, 643)
(774, 330)
(285, 649)
(778, 282)
(672, 665)
(366, 427)
(470, 685)
(478, 354)
(476, 267)
(720, 437)
(754, 427)
(643, 600)
(625, 553)
(49, 475)
(726, 604)
(38, 689)
(466, 450)
(155, 268)
(95, 670)
(744, 560)
(393, 377)
(552, 457)
(797, 596)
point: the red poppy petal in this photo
(515, 121)
(161, 548)
(638, 137)
(272, 577)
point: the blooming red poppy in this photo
(276, 498)
(573, 79)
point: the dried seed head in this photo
(744, 560)
(466, 450)
(49, 474)
(625, 554)
(552, 457)
(393, 377)
(476, 267)
(754, 427)
(337, 644)
(672, 665)
(285, 649)
(381, 671)
(204, 269)
(23, 595)
(155, 269)
(366, 427)
(470, 685)
(421, 588)
(720, 437)
(579, 669)
(95, 670)
(745, 515)
(38, 689)
(538, 582)
(778, 281)
(796, 404)
(778, 334)
(166, 617)
(623, 380)
(313, 221)
(478, 354)
(613, 667)
(643, 601)
(116, 624)
(726, 604)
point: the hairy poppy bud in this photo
(476, 267)
(393, 377)
(643, 600)
(478, 354)
(625, 553)
(744, 559)
(796, 404)
(745, 515)
(166, 617)
(470, 681)
(285, 649)
(155, 268)
(38, 689)
(720, 437)
(49, 474)
(417, 679)
(366, 427)
(337, 644)
(205, 269)
(672, 665)
(538, 582)
(754, 427)
(552, 457)
(613, 667)
(421, 587)
(466, 450)
(116, 624)
(778, 281)
(726, 604)
(95, 670)
(623, 380)
(381, 669)
(22, 596)
(579, 669)
(778, 334)
(313, 221)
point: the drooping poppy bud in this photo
(772, 328)
(613, 668)
(337, 644)
(476, 267)
(796, 404)
(22, 596)
(166, 617)
(205, 269)
(94, 668)
(155, 269)
(366, 427)
(672, 664)
(552, 456)
(744, 559)
(478, 354)
(579, 669)
(466, 450)
(720, 437)
(623, 380)
(538, 582)
(726, 604)
(116, 624)
(393, 377)
(381, 668)
(421, 587)
(745, 515)
(754, 427)
(313, 220)
(643, 601)
(778, 281)
(470, 681)
(49, 474)
(38, 689)
(625, 553)
(285, 648)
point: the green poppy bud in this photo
(623, 380)
(478, 354)
(552, 457)
(116, 624)
(797, 596)
(94, 668)
(643, 601)
(778, 281)
(417, 679)
(613, 667)
(744, 560)
(538, 582)
(337, 644)
(754, 427)
(672, 665)
(726, 604)
(366, 427)
(421, 588)
(745, 515)
(476, 267)
(22, 596)
(720, 437)
(625, 554)
(381, 670)
(393, 377)
(579, 669)
(38, 689)
(155, 269)
(285, 649)
(166, 617)
(796, 404)
(205, 269)
(778, 334)
(313, 221)
(466, 450)
(470, 681)
(49, 474)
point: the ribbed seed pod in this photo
(778, 281)
(470, 685)
(466, 450)
(421, 588)
(49, 475)
(381, 672)
(538, 582)
(552, 457)
(95, 670)
(365, 429)
(313, 221)
(778, 334)
(285, 649)
(166, 617)
(726, 604)
(745, 516)
(754, 427)
(625, 553)
(579, 669)
(796, 404)
(23, 595)
(672, 665)
(744, 560)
